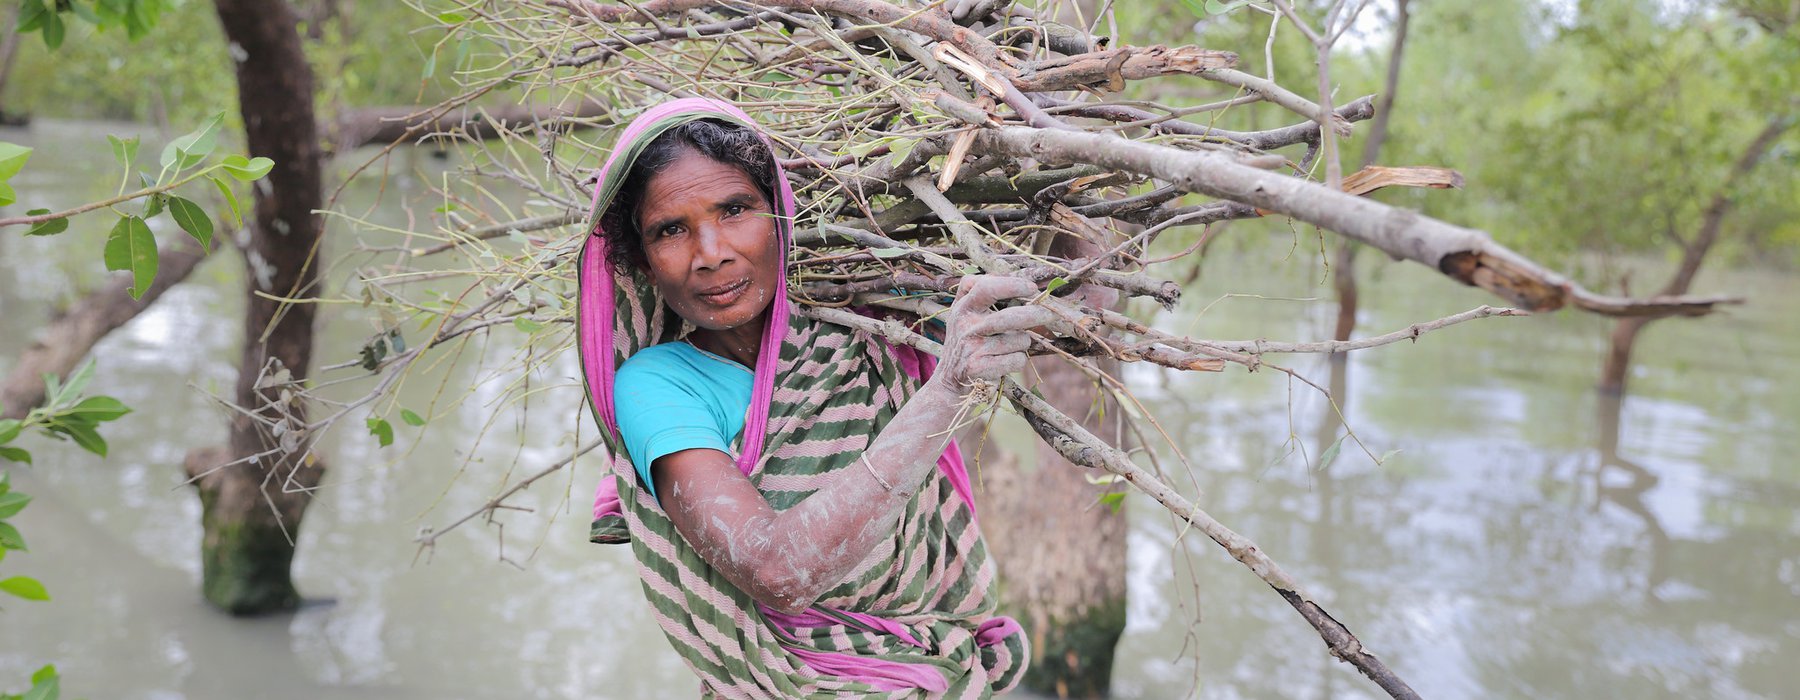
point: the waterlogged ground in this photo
(1526, 540)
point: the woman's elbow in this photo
(783, 589)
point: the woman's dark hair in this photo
(730, 143)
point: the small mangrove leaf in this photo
(131, 247)
(192, 219)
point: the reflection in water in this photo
(1524, 542)
(1629, 493)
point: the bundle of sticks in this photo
(924, 148)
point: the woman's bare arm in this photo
(786, 560)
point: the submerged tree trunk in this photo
(252, 492)
(1343, 274)
(1060, 552)
(1617, 367)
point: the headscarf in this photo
(917, 616)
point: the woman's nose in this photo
(711, 251)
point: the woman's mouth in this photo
(724, 294)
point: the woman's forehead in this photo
(695, 175)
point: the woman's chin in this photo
(747, 308)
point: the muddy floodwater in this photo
(1522, 538)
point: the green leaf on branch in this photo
(53, 31)
(124, 150)
(7, 194)
(10, 538)
(192, 219)
(131, 247)
(74, 385)
(452, 18)
(231, 200)
(412, 419)
(45, 685)
(12, 503)
(31, 16)
(12, 159)
(194, 146)
(382, 430)
(527, 325)
(99, 409)
(50, 227)
(1114, 500)
(15, 454)
(83, 433)
(9, 429)
(248, 169)
(1330, 454)
(154, 204)
(25, 587)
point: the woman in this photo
(802, 523)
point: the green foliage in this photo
(64, 414)
(382, 430)
(137, 17)
(45, 685)
(131, 246)
(1609, 131)
(1604, 126)
(12, 159)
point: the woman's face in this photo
(709, 239)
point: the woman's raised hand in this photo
(982, 344)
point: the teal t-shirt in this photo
(673, 397)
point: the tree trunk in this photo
(9, 49)
(1618, 355)
(61, 345)
(1061, 554)
(1613, 373)
(252, 508)
(1343, 274)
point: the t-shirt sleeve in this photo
(658, 416)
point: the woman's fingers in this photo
(996, 366)
(980, 292)
(1015, 318)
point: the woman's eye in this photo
(735, 209)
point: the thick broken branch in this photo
(1466, 255)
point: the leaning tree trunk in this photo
(1061, 554)
(251, 509)
(60, 346)
(1617, 367)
